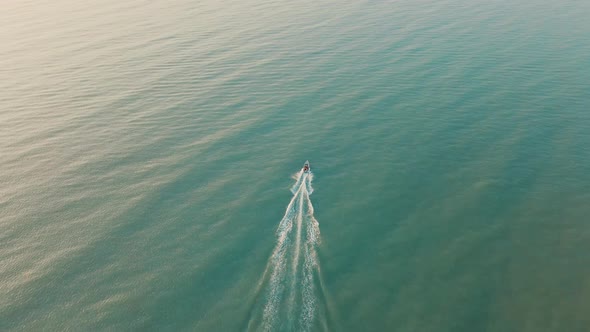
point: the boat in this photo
(306, 167)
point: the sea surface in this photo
(151, 154)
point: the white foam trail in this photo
(310, 266)
(278, 262)
(298, 177)
(295, 279)
(297, 249)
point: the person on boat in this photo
(305, 168)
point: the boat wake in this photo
(288, 295)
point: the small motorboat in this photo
(306, 168)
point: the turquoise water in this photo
(148, 149)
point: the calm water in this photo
(148, 148)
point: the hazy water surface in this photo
(148, 149)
